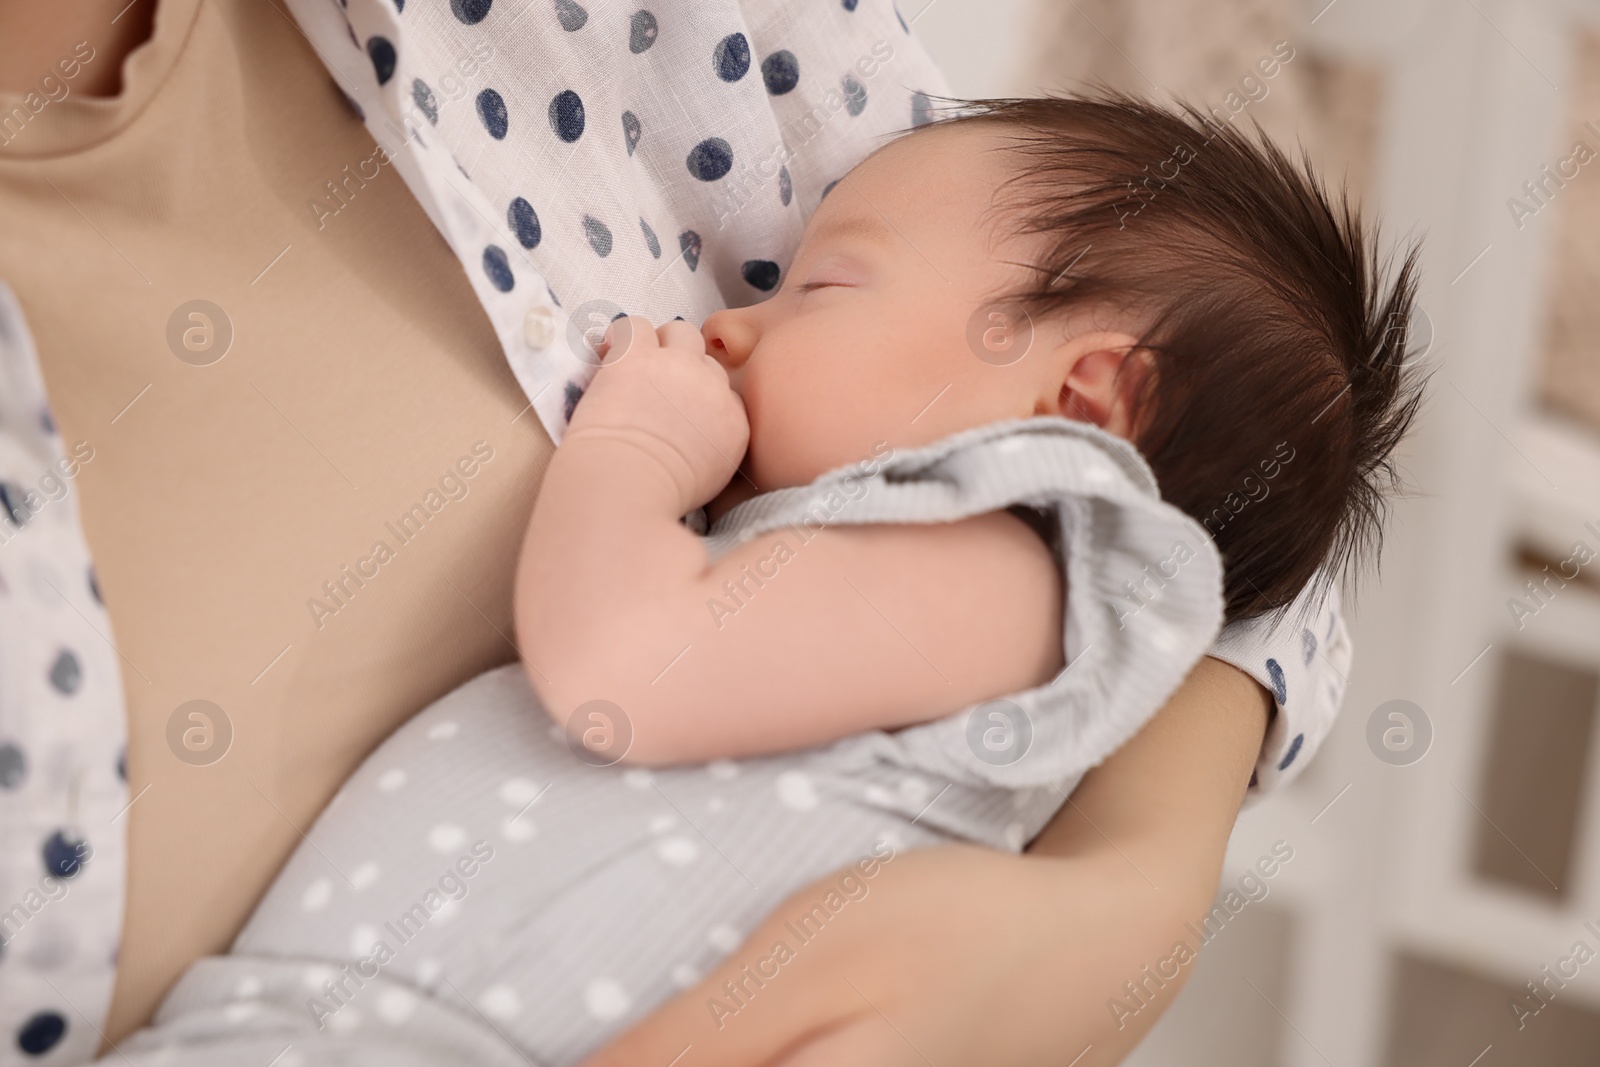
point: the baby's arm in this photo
(860, 627)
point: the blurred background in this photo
(1442, 906)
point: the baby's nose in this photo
(730, 337)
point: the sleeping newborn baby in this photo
(983, 479)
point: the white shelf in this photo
(1556, 491)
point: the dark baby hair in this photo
(1278, 385)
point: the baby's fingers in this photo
(680, 334)
(686, 337)
(624, 335)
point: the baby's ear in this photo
(1102, 376)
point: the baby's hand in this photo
(659, 390)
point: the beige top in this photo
(360, 375)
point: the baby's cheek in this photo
(779, 450)
(789, 442)
(808, 416)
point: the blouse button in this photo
(539, 327)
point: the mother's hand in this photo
(964, 957)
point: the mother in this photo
(228, 494)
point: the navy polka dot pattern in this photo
(11, 501)
(855, 95)
(13, 766)
(826, 189)
(1280, 686)
(423, 97)
(921, 109)
(63, 855)
(712, 102)
(492, 110)
(1308, 646)
(731, 59)
(689, 243)
(780, 72)
(570, 397)
(382, 54)
(566, 115)
(642, 32)
(471, 12)
(498, 268)
(41, 1033)
(599, 235)
(1294, 750)
(524, 223)
(650, 240)
(572, 15)
(631, 130)
(711, 159)
(66, 674)
(849, 5)
(761, 274)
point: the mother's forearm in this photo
(1171, 794)
(1156, 817)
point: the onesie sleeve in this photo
(1143, 588)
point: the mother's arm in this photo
(965, 957)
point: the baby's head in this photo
(1189, 289)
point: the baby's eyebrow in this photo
(862, 227)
